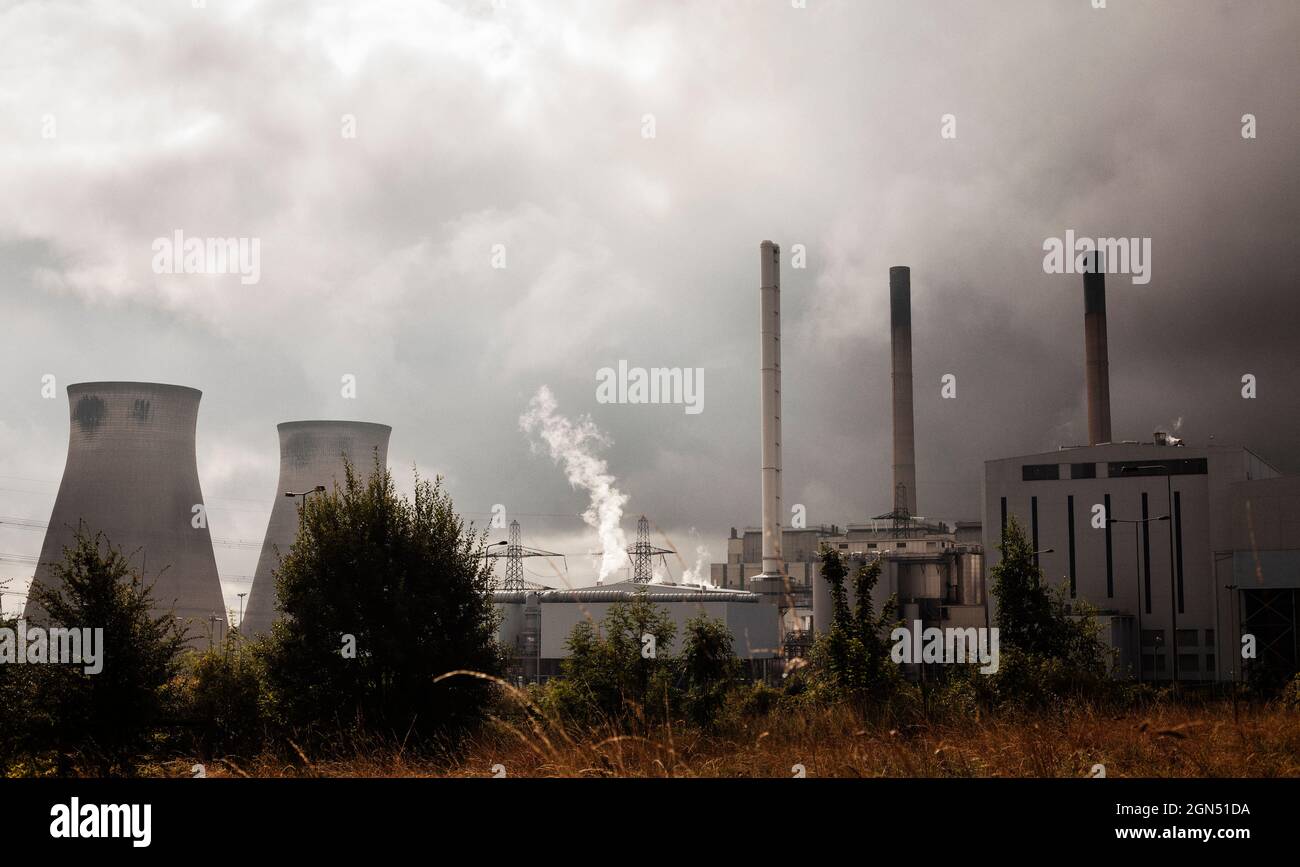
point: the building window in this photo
(1146, 550)
(1040, 472)
(1178, 545)
(1153, 638)
(1069, 519)
(1209, 638)
(902, 545)
(1188, 663)
(1188, 467)
(1110, 559)
(1083, 471)
(871, 544)
(1209, 662)
(1033, 520)
(844, 547)
(1153, 664)
(1186, 638)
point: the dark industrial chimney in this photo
(900, 321)
(1094, 341)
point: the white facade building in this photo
(1145, 533)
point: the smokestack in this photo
(1094, 341)
(770, 295)
(132, 474)
(900, 330)
(311, 454)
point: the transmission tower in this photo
(514, 554)
(642, 553)
(514, 561)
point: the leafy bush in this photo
(607, 677)
(102, 722)
(710, 670)
(401, 582)
(219, 696)
(1050, 645)
(851, 661)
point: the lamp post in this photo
(1173, 586)
(1137, 566)
(316, 490)
(213, 620)
(1234, 645)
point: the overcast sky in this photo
(524, 123)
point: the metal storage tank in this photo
(311, 454)
(132, 474)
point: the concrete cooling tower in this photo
(311, 454)
(131, 473)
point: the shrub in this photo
(403, 585)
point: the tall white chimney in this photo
(770, 293)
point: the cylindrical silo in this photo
(132, 474)
(311, 453)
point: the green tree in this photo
(710, 669)
(611, 673)
(879, 675)
(380, 595)
(15, 698)
(1025, 617)
(834, 654)
(106, 720)
(1050, 644)
(219, 695)
(851, 659)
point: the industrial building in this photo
(132, 474)
(1182, 549)
(536, 623)
(312, 456)
(1145, 533)
(934, 570)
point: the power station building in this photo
(934, 570)
(936, 567)
(132, 474)
(1183, 550)
(312, 455)
(536, 624)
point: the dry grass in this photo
(1164, 741)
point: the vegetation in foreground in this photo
(1162, 740)
(385, 664)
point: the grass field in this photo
(1162, 741)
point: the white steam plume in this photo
(574, 443)
(701, 573)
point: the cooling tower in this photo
(900, 329)
(311, 454)
(131, 473)
(770, 334)
(1095, 351)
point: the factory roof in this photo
(626, 590)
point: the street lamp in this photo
(316, 490)
(240, 634)
(1173, 586)
(1137, 567)
(1234, 644)
(212, 621)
